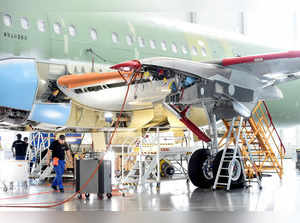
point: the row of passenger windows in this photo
(57, 28)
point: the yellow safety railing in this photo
(266, 146)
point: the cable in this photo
(135, 73)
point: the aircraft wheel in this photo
(237, 180)
(199, 169)
(100, 196)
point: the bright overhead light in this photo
(108, 115)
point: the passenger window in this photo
(93, 34)
(141, 42)
(194, 51)
(184, 49)
(57, 28)
(24, 23)
(129, 40)
(152, 44)
(115, 37)
(41, 25)
(164, 45)
(7, 20)
(72, 30)
(203, 49)
(174, 47)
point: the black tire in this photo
(100, 196)
(238, 181)
(196, 171)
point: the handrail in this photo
(271, 121)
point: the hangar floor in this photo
(275, 196)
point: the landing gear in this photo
(101, 196)
(237, 180)
(83, 196)
(199, 169)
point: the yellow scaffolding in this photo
(267, 149)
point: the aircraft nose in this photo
(19, 83)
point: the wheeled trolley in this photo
(99, 184)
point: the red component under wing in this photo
(132, 65)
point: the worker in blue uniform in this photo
(19, 148)
(57, 151)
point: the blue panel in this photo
(18, 83)
(55, 114)
(73, 138)
(45, 138)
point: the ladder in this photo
(260, 144)
(225, 169)
(244, 152)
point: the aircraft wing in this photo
(268, 68)
(274, 68)
(231, 85)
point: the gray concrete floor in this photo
(276, 196)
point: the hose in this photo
(56, 204)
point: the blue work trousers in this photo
(20, 157)
(59, 170)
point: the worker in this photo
(25, 139)
(57, 150)
(19, 148)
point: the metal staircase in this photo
(260, 146)
(270, 150)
